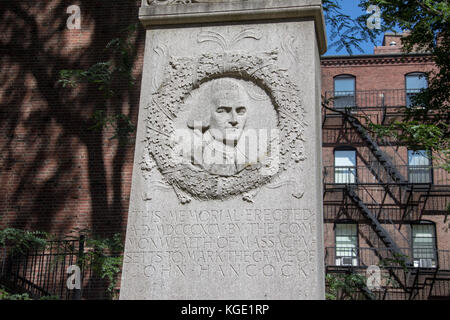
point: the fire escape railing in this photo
(423, 258)
(385, 100)
(381, 171)
(375, 174)
(428, 270)
(374, 105)
(371, 98)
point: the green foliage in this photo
(20, 241)
(5, 295)
(103, 75)
(348, 286)
(427, 21)
(124, 50)
(103, 257)
(343, 286)
(346, 33)
(419, 135)
(398, 259)
(49, 298)
(99, 74)
(122, 125)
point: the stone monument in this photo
(226, 198)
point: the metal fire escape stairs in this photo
(382, 233)
(390, 169)
(393, 173)
(373, 146)
(376, 225)
(405, 197)
(410, 283)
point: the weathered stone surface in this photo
(226, 200)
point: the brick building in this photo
(382, 201)
(61, 175)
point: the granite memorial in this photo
(226, 198)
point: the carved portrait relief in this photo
(221, 131)
(223, 124)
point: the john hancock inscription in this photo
(227, 243)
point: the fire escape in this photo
(384, 195)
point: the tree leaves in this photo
(20, 241)
(345, 32)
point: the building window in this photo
(419, 166)
(415, 82)
(424, 244)
(346, 244)
(345, 166)
(344, 91)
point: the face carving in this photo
(228, 111)
(219, 126)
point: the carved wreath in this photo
(185, 74)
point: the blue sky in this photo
(351, 8)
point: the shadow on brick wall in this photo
(56, 174)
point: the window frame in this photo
(434, 242)
(430, 161)
(409, 105)
(345, 148)
(356, 249)
(343, 76)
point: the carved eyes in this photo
(239, 110)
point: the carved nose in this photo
(233, 122)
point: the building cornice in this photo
(176, 12)
(378, 59)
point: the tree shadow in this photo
(58, 175)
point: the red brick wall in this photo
(57, 175)
(372, 72)
(376, 73)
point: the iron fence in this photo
(43, 272)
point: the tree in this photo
(103, 75)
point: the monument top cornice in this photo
(155, 13)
